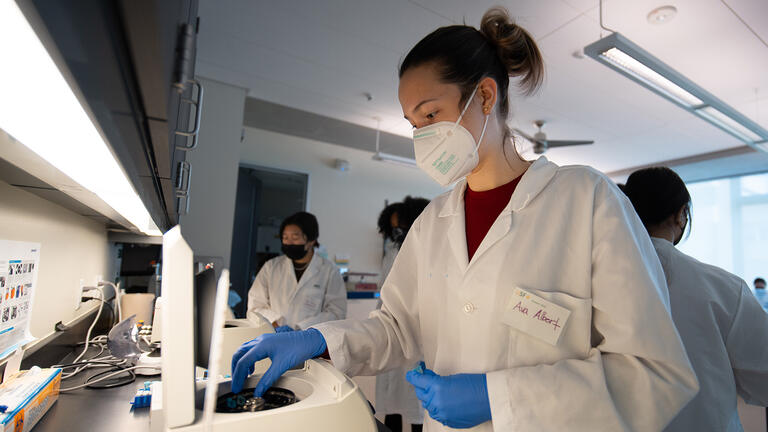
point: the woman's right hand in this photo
(286, 350)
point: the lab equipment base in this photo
(326, 400)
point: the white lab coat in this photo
(725, 332)
(395, 395)
(571, 237)
(319, 296)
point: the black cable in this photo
(113, 317)
(90, 362)
(110, 383)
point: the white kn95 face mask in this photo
(446, 151)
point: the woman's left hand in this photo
(457, 401)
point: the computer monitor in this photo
(205, 301)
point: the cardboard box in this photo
(28, 395)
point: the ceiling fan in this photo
(541, 143)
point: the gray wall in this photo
(208, 225)
(72, 247)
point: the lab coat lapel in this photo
(498, 230)
(457, 239)
(286, 267)
(457, 234)
(533, 182)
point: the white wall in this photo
(347, 204)
(208, 226)
(73, 247)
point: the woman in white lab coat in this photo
(395, 398)
(300, 288)
(724, 329)
(531, 291)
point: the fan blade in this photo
(525, 135)
(565, 143)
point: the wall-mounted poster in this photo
(18, 280)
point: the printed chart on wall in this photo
(18, 278)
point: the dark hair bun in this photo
(516, 49)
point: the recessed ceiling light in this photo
(662, 15)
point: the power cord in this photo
(109, 374)
(116, 367)
(110, 382)
(95, 361)
(90, 329)
(112, 314)
(117, 297)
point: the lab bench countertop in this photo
(86, 410)
(97, 410)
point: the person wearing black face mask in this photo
(300, 288)
(723, 327)
(396, 219)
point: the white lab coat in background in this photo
(395, 395)
(569, 236)
(725, 332)
(319, 296)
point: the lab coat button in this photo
(469, 308)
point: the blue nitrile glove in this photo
(286, 350)
(458, 401)
(283, 329)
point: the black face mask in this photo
(682, 231)
(398, 235)
(294, 251)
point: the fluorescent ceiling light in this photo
(623, 56)
(728, 124)
(39, 109)
(650, 77)
(394, 159)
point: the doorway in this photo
(265, 197)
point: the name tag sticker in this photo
(535, 316)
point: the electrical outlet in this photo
(107, 288)
(80, 290)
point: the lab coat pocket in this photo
(574, 340)
(313, 301)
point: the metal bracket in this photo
(183, 186)
(198, 114)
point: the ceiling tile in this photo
(322, 56)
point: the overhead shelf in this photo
(23, 168)
(131, 64)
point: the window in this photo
(730, 225)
